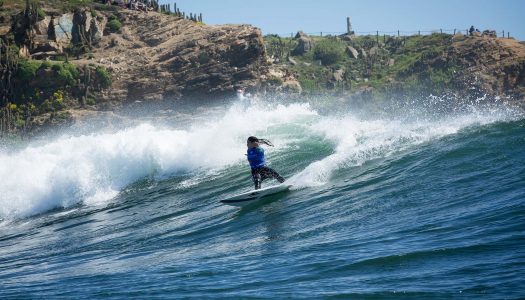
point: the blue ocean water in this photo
(382, 206)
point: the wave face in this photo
(426, 206)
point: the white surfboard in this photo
(255, 195)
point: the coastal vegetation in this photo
(412, 63)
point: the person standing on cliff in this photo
(257, 162)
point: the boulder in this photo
(63, 27)
(347, 37)
(24, 52)
(300, 34)
(374, 51)
(41, 27)
(96, 30)
(363, 53)
(304, 44)
(352, 52)
(338, 75)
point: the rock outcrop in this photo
(304, 44)
(490, 65)
(156, 57)
(153, 56)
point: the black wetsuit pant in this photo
(260, 174)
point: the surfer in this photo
(256, 158)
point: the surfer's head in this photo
(252, 142)
(255, 142)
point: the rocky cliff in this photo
(490, 65)
(155, 57)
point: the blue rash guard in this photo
(256, 157)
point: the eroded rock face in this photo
(54, 33)
(161, 57)
(494, 66)
(63, 27)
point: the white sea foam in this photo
(357, 141)
(92, 169)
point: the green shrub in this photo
(46, 106)
(308, 84)
(114, 25)
(56, 67)
(103, 77)
(329, 51)
(46, 64)
(72, 69)
(65, 76)
(66, 72)
(91, 101)
(20, 123)
(41, 14)
(27, 69)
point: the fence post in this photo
(398, 33)
(377, 37)
(384, 38)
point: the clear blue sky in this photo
(287, 16)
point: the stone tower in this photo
(348, 26)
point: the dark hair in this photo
(252, 139)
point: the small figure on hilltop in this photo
(471, 30)
(257, 162)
